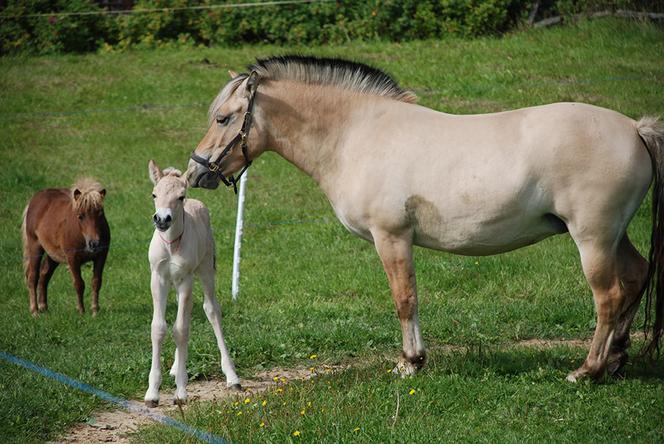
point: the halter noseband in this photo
(241, 137)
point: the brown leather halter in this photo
(240, 137)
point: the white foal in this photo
(182, 245)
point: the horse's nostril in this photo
(168, 218)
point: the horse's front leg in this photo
(75, 270)
(181, 336)
(97, 270)
(159, 288)
(396, 253)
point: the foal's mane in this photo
(91, 197)
(345, 74)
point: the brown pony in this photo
(70, 226)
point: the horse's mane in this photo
(342, 73)
(91, 197)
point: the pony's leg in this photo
(213, 313)
(599, 263)
(633, 271)
(181, 336)
(396, 253)
(33, 253)
(79, 285)
(159, 288)
(97, 270)
(48, 266)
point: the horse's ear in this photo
(154, 171)
(232, 73)
(77, 194)
(103, 193)
(252, 83)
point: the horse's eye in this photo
(80, 217)
(223, 120)
(181, 198)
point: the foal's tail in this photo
(24, 237)
(652, 134)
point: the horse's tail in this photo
(652, 134)
(24, 237)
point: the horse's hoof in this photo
(572, 377)
(42, 308)
(404, 368)
(235, 387)
(151, 403)
(94, 312)
(180, 401)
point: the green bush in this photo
(316, 23)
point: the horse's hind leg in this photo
(213, 313)
(633, 271)
(395, 252)
(601, 270)
(33, 253)
(48, 266)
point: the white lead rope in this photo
(239, 225)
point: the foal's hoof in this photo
(404, 368)
(180, 401)
(151, 403)
(235, 387)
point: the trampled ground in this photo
(309, 287)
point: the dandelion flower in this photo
(279, 390)
(296, 433)
(262, 424)
(302, 412)
(276, 379)
(247, 400)
(264, 403)
(412, 391)
(314, 356)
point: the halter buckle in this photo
(213, 167)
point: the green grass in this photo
(311, 287)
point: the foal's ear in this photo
(154, 171)
(232, 73)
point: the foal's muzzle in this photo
(162, 223)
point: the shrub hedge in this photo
(23, 31)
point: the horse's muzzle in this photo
(208, 180)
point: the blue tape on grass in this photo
(125, 404)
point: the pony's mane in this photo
(353, 76)
(91, 197)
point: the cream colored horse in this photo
(182, 245)
(399, 174)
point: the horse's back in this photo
(46, 208)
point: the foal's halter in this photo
(241, 137)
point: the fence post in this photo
(239, 224)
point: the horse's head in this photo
(230, 142)
(168, 194)
(88, 206)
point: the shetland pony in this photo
(182, 245)
(398, 174)
(69, 226)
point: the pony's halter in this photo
(213, 166)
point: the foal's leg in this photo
(79, 285)
(633, 271)
(97, 270)
(47, 268)
(181, 336)
(396, 253)
(159, 288)
(599, 265)
(213, 313)
(33, 253)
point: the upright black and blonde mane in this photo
(341, 73)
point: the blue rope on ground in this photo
(125, 404)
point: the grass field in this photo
(308, 286)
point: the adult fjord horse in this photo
(399, 174)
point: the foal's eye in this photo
(223, 120)
(153, 196)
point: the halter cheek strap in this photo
(213, 166)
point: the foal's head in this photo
(168, 194)
(88, 206)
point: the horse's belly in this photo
(482, 238)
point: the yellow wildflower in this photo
(302, 412)
(262, 424)
(412, 391)
(264, 403)
(276, 379)
(296, 433)
(247, 400)
(356, 429)
(314, 356)
(239, 413)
